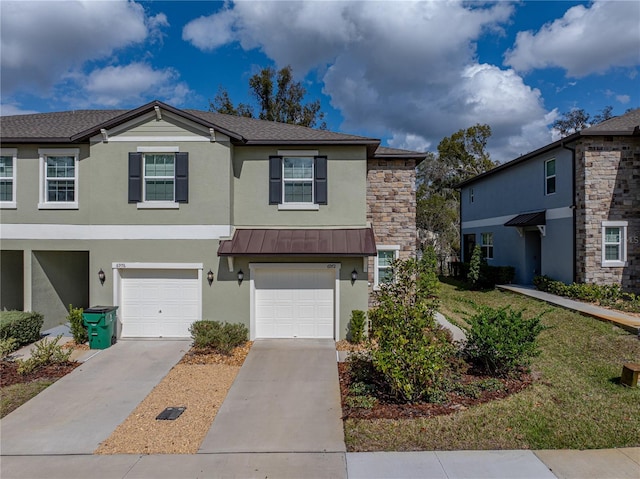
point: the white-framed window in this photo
(8, 167)
(614, 246)
(58, 178)
(297, 178)
(159, 177)
(486, 245)
(383, 271)
(470, 195)
(550, 176)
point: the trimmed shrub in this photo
(357, 326)
(500, 341)
(44, 353)
(219, 336)
(606, 294)
(78, 329)
(23, 326)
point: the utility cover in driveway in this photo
(171, 413)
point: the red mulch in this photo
(384, 409)
(9, 372)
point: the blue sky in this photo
(409, 73)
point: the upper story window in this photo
(384, 271)
(158, 177)
(470, 195)
(297, 176)
(8, 158)
(550, 177)
(487, 245)
(614, 251)
(298, 180)
(58, 178)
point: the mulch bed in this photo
(9, 374)
(386, 409)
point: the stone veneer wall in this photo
(391, 206)
(607, 189)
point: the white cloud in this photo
(117, 85)
(42, 41)
(624, 99)
(8, 109)
(585, 40)
(408, 68)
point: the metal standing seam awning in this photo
(346, 242)
(524, 220)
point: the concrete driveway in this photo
(286, 398)
(76, 413)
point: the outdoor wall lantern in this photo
(101, 276)
(240, 277)
(354, 276)
(210, 277)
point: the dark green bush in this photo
(76, 324)
(23, 326)
(357, 326)
(219, 336)
(500, 341)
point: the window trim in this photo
(12, 152)
(548, 177)
(45, 153)
(622, 261)
(376, 269)
(489, 246)
(471, 198)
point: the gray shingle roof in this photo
(620, 125)
(78, 125)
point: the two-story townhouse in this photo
(179, 215)
(569, 210)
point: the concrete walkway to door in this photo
(286, 398)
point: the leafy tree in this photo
(578, 119)
(460, 156)
(279, 98)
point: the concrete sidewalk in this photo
(596, 464)
(286, 398)
(76, 413)
(619, 318)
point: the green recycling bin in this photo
(101, 326)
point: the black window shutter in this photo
(275, 180)
(182, 177)
(135, 177)
(320, 179)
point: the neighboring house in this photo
(570, 210)
(179, 215)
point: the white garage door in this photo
(294, 303)
(159, 303)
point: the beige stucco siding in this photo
(346, 170)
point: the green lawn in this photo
(14, 396)
(576, 401)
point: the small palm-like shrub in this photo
(76, 324)
(44, 353)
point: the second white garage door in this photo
(159, 303)
(294, 303)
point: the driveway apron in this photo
(76, 413)
(286, 398)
